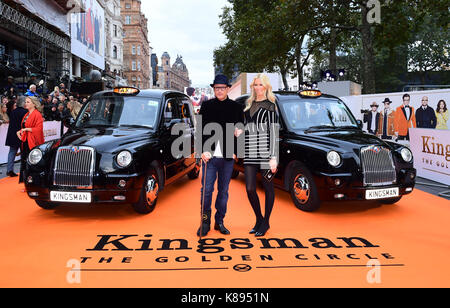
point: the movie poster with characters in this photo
(88, 34)
(391, 115)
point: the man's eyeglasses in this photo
(220, 88)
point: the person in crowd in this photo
(61, 113)
(32, 91)
(4, 118)
(404, 119)
(442, 115)
(372, 118)
(56, 93)
(216, 160)
(425, 115)
(15, 120)
(32, 131)
(32, 80)
(10, 88)
(387, 118)
(73, 108)
(261, 150)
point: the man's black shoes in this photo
(12, 174)
(220, 227)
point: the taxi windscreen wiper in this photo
(320, 127)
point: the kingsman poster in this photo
(88, 34)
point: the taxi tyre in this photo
(144, 205)
(302, 180)
(194, 173)
(46, 205)
(390, 201)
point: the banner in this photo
(52, 131)
(88, 34)
(431, 150)
(361, 105)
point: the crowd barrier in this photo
(52, 131)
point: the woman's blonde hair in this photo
(75, 108)
(266, 83)
(36, 102)
(3, 115)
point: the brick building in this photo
(136, 46)
(173, 77)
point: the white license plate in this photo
(71, 197)
(382, 193)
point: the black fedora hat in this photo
(221, 79)
(387, 101)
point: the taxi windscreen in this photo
(119, 111)
(306, 114)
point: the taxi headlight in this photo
(406, 155)
(334, 159)
(35, 157)
(124, 159)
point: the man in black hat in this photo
(217, 157)
(372, 118)
(387, 119)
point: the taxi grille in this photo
(74, 167)
(378, 166)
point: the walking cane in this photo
(203, 200)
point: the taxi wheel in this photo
(46, 205)
(194, 173)
(149, 195)
(390, 201)
(303, 189)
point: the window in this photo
(115, 52)
(133, 65)
(128, 6)
(139, 65)
(139, 50)
(133, 50)
(115, 30)
(127, 20)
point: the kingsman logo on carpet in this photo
(259, 252)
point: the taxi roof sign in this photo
(310, 93)
(126, 91)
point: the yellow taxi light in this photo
(126, 91)
(311, 93)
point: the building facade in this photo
(113, 38)
(136, 46)
(173, 77)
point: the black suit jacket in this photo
(426, 118)
(368, 120)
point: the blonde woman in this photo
(442, 115)
(4, 119)
(261, 148)
(32, 132)
(74, 108)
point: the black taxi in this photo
(118, 150)
(324, 155)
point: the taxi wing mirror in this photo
(360, 123)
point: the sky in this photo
(187, 28)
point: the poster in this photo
(88, 34)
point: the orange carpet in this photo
(342, 245)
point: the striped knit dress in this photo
(261, 134)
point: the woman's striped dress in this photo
(261, 134)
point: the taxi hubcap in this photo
(152, 190)
(301, 189)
